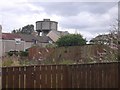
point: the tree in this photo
(71, 40)
(17, 30)
(28, 29)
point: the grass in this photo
(67, 62)
(7, 62)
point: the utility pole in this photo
(118, 30)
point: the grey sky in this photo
(87, 18)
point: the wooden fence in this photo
(97, 75)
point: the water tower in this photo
(45, 26)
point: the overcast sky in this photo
(87, 18)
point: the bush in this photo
(7, 63)
(10, 54)
(23, 53)
(71, 40)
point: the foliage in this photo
(11, 53)
(50, 45)
(16, 53)
(28, 29)
(27, 62)
(67, 62)
(23, 53)
(71, 40)
(7, 63)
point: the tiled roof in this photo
(43, 39)
(26, 37)
(10, 36)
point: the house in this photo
(42, 41)
(55, 35)
(11, 42)
(21, 42)
(107, 39)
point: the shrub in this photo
(7, 63)
(23, 53)
(10, 54)
(71, 40)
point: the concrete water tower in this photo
(45, 26)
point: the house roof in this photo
(26, 37)
(60, 33)
(9, 36)
(43, 39)
(54, 35)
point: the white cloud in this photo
(18, 13)
(74, 0)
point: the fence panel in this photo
(97, 75)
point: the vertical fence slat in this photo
(103, 76)
(100, 76)
(10, 77)
(85, 75)
(16, 77)
(82, 79)
(74, 77)
(106, 75)
(80, 76)
(30, 77)
(21, 73)
(43, 83)
(118, 78)
(77, 78)
(59, 71)
(53, 72)
(96, 75)
(37, 76)
(88, 70)
(64, 76)
(48, 73)
(4, 77)
(92, 76)
(116, 71)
